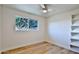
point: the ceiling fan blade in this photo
(42, 5)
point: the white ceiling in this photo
(36, 8)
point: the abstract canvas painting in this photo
(21, 24)
(25, 24)
(33, 24)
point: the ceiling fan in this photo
(45, 8)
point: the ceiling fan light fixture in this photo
(44, 11)
(44, 8)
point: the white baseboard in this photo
(63, 46)
(22, 45)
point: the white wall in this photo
(56, 30)
(13, 39)
(0, 25)
(59, 28)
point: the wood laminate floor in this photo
(40, 48)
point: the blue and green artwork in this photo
(24, 24)
(33, 24)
